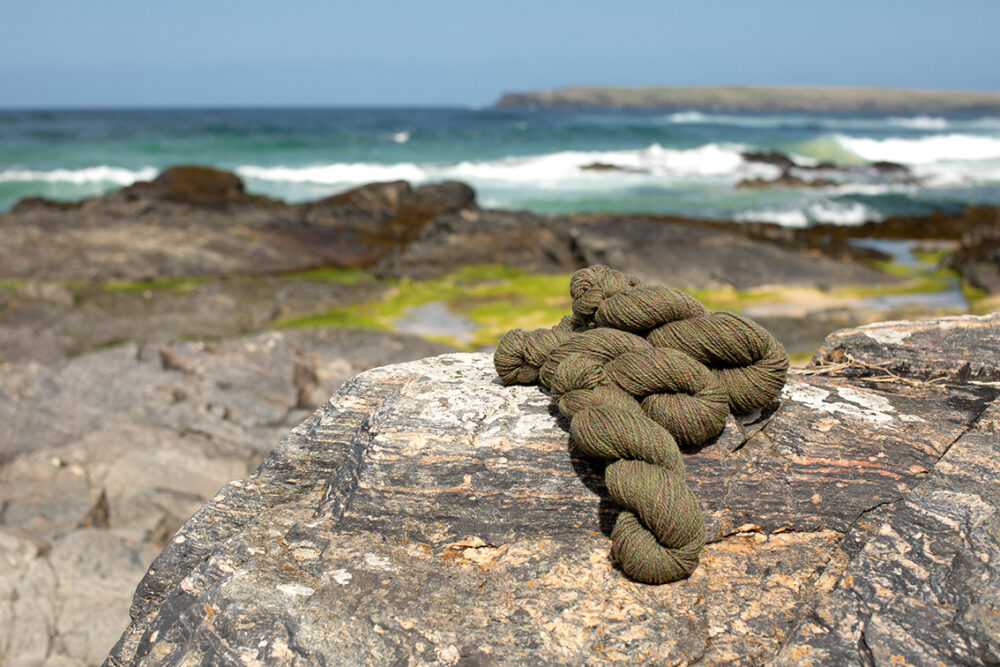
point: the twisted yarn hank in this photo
(749, 362)
(638, 370)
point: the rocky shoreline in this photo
(429, 515)
(157, 341)
(192, 256)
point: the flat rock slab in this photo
(104, 456)
(427, 514)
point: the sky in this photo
(137, 53)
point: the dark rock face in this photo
(428, 514)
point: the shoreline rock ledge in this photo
(427, 514)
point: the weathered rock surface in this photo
(673, 252)
(689, 256)
(428, 514)
(197, 221)
(104, 456)
(46, 321)
(978, 258)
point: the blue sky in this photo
(110, 53)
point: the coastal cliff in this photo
(758, 98)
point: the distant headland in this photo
(759, 98)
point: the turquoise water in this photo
(685, 163)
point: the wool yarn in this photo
(750, 363)
(639, 370)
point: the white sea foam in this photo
(101, 174)
(958, 174)
(925, 149)
(786, 218)
(842, 212)
(401, 137)
(687, 117)
(717, 161)
(708, 160)
(835, 212)
(339, 173)
(919, 122)
(874, 189)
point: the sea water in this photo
(667, 162)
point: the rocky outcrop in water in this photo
(427, 514)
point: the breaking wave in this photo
(835, 212)
(709, 160)
(101, 174)
(923, 150)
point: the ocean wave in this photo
(834, 212)
(752, 120)
(924, 150)
(919, 122)
(339, 173)
(784, 217)
(564, 167)
(687, 117)
(100, 174)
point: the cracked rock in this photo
(429, 515)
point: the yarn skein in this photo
(631, 403)
(749, 362)
(639, 370)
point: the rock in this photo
(380, 217)
(65, 604)
(675, 252)
(512, 238)
(197, 186)
(773, 158)
(786, 180)
(978, 257)
(428, 514)
(601, 166)
(198, 221)
(955, 349)
(46, 321)
(690, 256)
(107, 454)
(886, 167)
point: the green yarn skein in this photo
(750, 363)
(631, 400)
